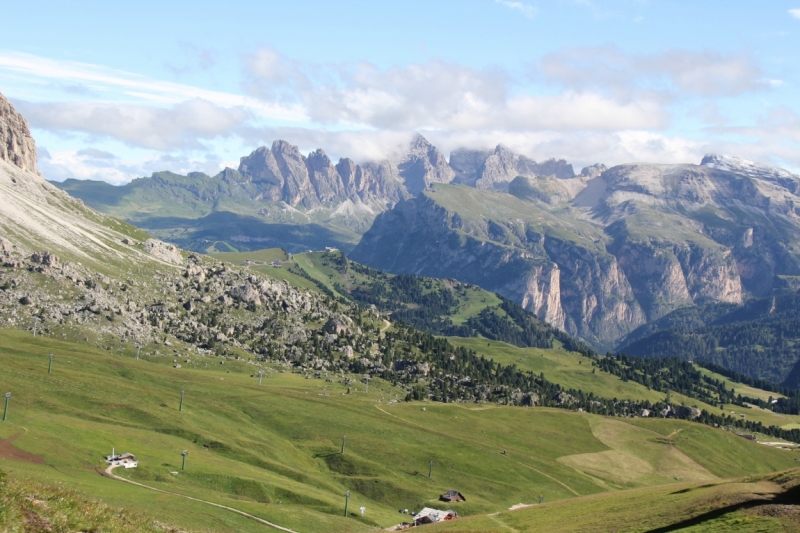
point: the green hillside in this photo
(574, 371)
(209, 214)
(437, 306)
(274, 449)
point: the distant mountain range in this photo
(279, 197)
(598, 254)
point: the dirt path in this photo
(109, 473)
(11, 452)
(499, 522)
(674, 433)
(550, 477)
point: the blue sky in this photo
(116, 90)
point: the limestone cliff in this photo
(605, 252)
(568, 282)
(16, 144)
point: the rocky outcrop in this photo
(539, 291)
(328, 184)
(16, 144)
(169, 253)
(467, 165)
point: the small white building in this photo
(127, 460)
(433, 516)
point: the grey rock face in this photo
(574, 287)
(283, 173)
(467, 165)
(327, 181)
(261, 167)
(297, 185)
(422, 165)
(16, 144)
(380, 181)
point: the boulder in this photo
(166, 252)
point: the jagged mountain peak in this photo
(16, 144)
(423, 165)
(420, 143)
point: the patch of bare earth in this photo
(12, 453)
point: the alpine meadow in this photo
(480, 266)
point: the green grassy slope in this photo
(272, 450)
(208, 214)
(737, 506)
(572, 370)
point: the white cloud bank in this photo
(584, 104)
(183, 125)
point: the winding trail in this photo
(110, 474)
(550, 477)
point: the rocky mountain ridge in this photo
(279, 197)
(602, 254)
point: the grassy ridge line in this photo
(272, 450)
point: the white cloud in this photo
(610, 107)
(527, 10)
(69, 164)
(183, 125)
(795, 13)
(441, 95)
(94, 153)
(116, 85)
(665, 75)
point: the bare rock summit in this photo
(16, 144)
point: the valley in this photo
(274, 449)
